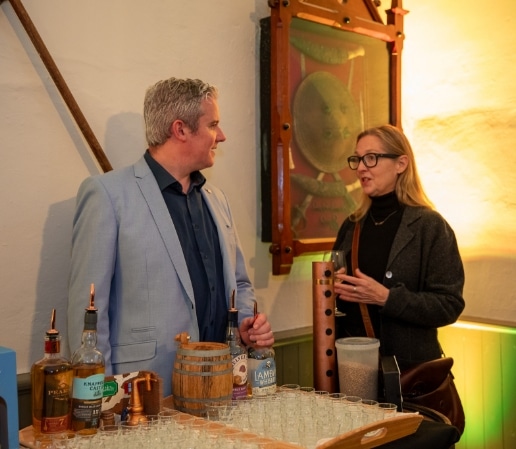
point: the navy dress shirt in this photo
(199, 239)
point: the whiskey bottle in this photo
(237, 351)
(88, 375)
(51, 379)
(262, 369)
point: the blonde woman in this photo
(410, 274)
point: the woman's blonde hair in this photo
(408, 186)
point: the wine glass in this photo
(338, 258)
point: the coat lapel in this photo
(152, 195)
(404, 234)
(215, 207)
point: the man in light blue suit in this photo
(160, 244)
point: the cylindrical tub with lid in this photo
(358, 359)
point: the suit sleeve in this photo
(94, 239)
(245, 290)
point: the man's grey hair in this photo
(170, 100)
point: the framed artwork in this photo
(330, 69)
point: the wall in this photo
(458, 98)
(458, 109)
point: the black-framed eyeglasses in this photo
(370, 159)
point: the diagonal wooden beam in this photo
(61, 85)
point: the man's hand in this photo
(256, 331)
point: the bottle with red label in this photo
(51, 379)
(238, 353)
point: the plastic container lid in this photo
(357, 343)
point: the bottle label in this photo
(88, 388)
(55, 424)
(263, 376)
(87, 400)
(51, 395)
(240, 376)
(55, 416)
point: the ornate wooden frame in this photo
(349, 16)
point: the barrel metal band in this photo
(203, 362)
(204, 373)
(200, 401)
(201, 353)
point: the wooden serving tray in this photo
(366, 437)
(373, 435)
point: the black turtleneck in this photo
(373, 253)
(376, 240)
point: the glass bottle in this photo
(88, 375)
(262, 369)
(237, 351)
(51, 379)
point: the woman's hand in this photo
(359, 288)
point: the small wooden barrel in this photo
(202, 374)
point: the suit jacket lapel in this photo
(161, 216)
(216, 207)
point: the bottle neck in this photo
(52, 346)
(232, 332)
(262, 352)
(89, 338)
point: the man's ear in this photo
(177, 129)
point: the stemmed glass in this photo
(338, 257)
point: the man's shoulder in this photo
(120, 175)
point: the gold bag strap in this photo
(354, 265)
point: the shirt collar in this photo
(165, 179)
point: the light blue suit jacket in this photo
(124, 242)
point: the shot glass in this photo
(387, 409)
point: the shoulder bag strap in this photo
(354, 265)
